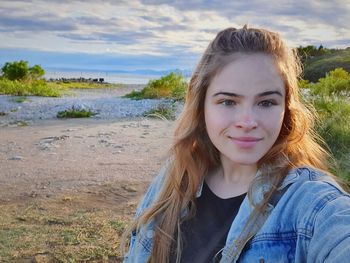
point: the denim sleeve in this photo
(330, 241)
(149, 197)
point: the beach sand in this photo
(61, 157)
(53, 170)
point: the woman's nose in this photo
(246, 121)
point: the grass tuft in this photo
(162, 111)
(75, 113)
(20, 99)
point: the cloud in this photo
(314, 10)
(125, 38)
(101, 62)
(164, 28)
(33, 24)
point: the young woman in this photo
(246, 180)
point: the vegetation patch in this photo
(20, 99)
(75, 113)
(27, 88)
(63, 85)
(162, 111)
(330, 97)
(318, 61)
(61, 233)
(19, 79)
(172, 86)
(19, 123)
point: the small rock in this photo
(69, 130)
(129, 188)
(16, 158)
(33, 194)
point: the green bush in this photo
(172, 86)
(330, 97)
(75, 113)
(20, 99)
(336, 82)
(162, 111)
(20, 70)
(334, 127)
(17, 70)
(27, 88)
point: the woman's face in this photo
(244, 108)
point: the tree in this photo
(17, 70)
(36, 72)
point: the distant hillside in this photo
(316, 67)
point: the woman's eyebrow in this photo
(271, 92)
(230, 94)
(265, 93)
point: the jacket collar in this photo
(291, 177)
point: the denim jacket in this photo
(309, 223)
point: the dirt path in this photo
(79, 156)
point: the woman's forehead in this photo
(253, 70)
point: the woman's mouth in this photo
(245, 142)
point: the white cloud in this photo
(163, 27)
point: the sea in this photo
(109, 77)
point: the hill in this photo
(316, 67)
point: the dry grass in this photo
(60, 230)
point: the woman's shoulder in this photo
(310, 193)
(153, 190)
(310, 179)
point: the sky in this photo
(154, 35)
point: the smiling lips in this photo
(245, 142)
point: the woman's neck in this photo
(231, 179)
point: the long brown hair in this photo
(192, 154)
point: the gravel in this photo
(106, 103)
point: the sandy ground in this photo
(51, 158)
(74, 156)
(79, 164)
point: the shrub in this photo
(162, 111)
(20, 88)
(172, 86)
(330, 97)
(17, 70)
(36, 72)
(336, 82)
(334, 127)
(20, 99)
(75, 113)
(20, 70)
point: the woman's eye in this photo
(227, 102)
(266, 103)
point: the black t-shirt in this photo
(205, 234)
